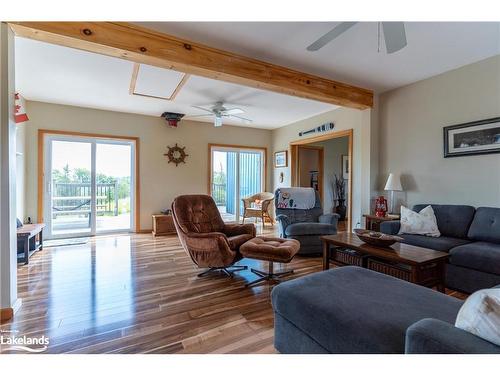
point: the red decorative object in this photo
(19, 111)
(172, 118)
(381, 206)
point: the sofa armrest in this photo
(237, 229)
(283, 222)
(390, 227)
(329, 219)
(433, 336)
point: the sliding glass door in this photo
(235, 173)
(87, 186)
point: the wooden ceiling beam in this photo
(141, 45)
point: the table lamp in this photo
(393, 184)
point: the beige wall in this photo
(333, 151)
(160, 182)
(344, 118)
(309, 161)
(411, 136)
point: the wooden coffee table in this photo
(411, 263)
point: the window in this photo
(235, 172)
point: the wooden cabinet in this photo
(163, 225)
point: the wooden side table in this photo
(373, 221)
(27, 243)
(163, 225)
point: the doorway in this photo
(310, 167)
(88, 185)
(340, 164)
(235, 172)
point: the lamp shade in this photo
(393, 183)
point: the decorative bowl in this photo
(376, 238)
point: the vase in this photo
(341, 209)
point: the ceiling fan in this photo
(219, 112)
(394, 35)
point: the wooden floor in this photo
(139, 294)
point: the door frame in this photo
(237, 148)
(321, 169)
(294, 154)
(41, 165)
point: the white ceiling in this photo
(433, 47)
(56, 74)
(61, 75)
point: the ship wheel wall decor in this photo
(176, 155)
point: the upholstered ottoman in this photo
(352, 310)
(270, 249)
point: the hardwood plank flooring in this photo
(140, 294)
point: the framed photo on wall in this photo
(345, 167)
(281, 159)
(472, 138)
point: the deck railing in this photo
(219, 194)
(74, 198)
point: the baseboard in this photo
(142, 231)
(17, 305)
(8, 313)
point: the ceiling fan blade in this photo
(247, 120)
(394, 35)
(217, 121)
(331, 35)
(233, 111)
(203, 109)
(191, 116)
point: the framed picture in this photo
(472, 138)
(281, 159)
(345, 167)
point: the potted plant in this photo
(338, 190)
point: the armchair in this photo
(306, 226)
(262, 208)
(209, 241)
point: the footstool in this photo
(271, 249)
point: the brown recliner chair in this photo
(209, 241)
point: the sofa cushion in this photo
(355, 310)
(310, 229)
(480, 256)
(422, 222)
(480, 315)
(442, 243)
(453, 220)
(486, 225)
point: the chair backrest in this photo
(197, 213)
(261, 196)
(298, 215)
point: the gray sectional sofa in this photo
(356, 310)
(472, 238)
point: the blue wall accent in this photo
(231, 182)
(250, 177)
(250, 174)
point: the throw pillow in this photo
(423, 222)
(480, 315)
